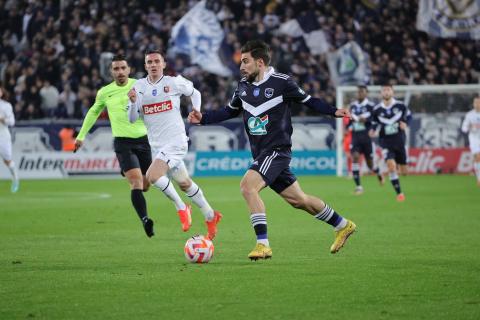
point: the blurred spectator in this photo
(50, 98)
(68, 98)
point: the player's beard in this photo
(253, 76)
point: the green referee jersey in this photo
(114, 98)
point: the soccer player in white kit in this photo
(471, 125)
(156, 99)
(7, 120)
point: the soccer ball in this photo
(199, 249)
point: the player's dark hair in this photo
(6, 95)
(119, 57)
(362, 86)
(258, 49)
(151, 51)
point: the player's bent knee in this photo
(185, 184)
(247, 191)
(136, 184)
(152, 178)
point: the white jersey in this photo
(159, 105)
(471, 125)
(6, 112)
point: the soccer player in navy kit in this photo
(391, 116)
(360, 123)
(264, 96)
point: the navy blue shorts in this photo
(395, 151)
(363, 146)
(274, 167)
(133, 153)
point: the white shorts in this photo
(172, 154)
(6, 148)
(474, 145)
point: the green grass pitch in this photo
(75, 249)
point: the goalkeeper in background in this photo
(130, 140)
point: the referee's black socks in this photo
(139, 203)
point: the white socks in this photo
(196, 194)
(393, 175)
(163, 183)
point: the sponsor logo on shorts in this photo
(157, 107)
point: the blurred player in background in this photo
(347, 142)
(264, 96)
(130, 141)
(471, 125)
(156, 99)
(7, 120)
(391, 116)
(360, 124)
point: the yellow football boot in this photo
(260, 251)
(342, 235)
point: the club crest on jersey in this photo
(256, 92)
(268, 93)
(257, 125)
(166, 89)
(154, 92)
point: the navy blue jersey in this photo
(266, 112)
(388, 119)
(361, 110)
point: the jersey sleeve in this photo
(184, 86)
(407, 114)
(466, 124)
(374, 118)
(92, 115)
(9, 117)
(235, 101)
(134, 109)
(293, 92)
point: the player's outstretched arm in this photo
(323, 107)
(196, 99)
(90, 119)
(213, 116)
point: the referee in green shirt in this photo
(130, 140)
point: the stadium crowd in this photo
(50, 50)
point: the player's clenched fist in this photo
(195, 116)
(132, 95)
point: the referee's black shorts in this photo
(133, 153)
